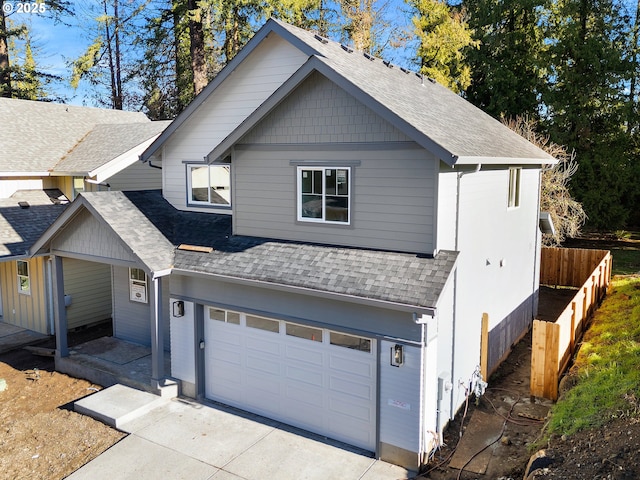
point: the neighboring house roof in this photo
(105, 143)
(21, 227)
(434, 117)
(153, 229)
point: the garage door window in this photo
(350, 341)
(308, 333)
(263, 324)
(224, 316)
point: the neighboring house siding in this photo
(9, 186)
(496, 264)
(89, 285)
(400, 402)
(139, 176)
(443, 367)
(266, 68)
(447, 198)
(132, 320)
(91, 238)
(26, 311)
(359, 319)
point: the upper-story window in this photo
(324, 194)
(514, 187)
(24, 282)
(209, 185)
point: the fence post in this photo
(484, 347)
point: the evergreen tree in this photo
(443, 34)
(507, 69)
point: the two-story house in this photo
(330, 232)
(48, 154)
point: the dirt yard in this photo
(40, 435)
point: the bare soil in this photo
(41, 437)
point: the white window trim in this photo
(322, 220)
(208, 204)
(138, 288)
(20, 277)
(514, 188)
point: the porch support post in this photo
(157, 337)
(59, 310)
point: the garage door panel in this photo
(351, 388)
(311, 384)
(353, 365)
(305, 355)
(311, 397)
(310, 377)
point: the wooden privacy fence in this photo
(553, 343)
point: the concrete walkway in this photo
(178, 439)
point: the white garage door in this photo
(316, 379)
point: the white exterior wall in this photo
(261, 73)
(496, 264)
(10, 186)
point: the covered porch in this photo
(108, 360)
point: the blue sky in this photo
(57, 44)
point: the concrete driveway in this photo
(176, 439)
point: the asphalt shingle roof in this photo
(446, 118)
(21, 227)
(106, 142)
(37, 135)
(401, 278)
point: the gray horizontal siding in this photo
(392, 198)
(138, 176)
(392, 182)
(339, 315)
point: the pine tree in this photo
(443, 34)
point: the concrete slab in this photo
(385, 471)
(134, 458)
(207, 434)
(118, 404)
(113, 350)
(297, 457)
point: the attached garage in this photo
(317, 379)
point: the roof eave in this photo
(404, 307)
(475, 160)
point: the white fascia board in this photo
(109, 169)
(469, 160)
(25, 174)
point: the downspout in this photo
(422, 441)
(455, 278)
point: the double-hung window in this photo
(209, 185)
(24, 282)
(324, 194)
(514, 187)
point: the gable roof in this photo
(433, 116)
(41, 134)
(21, 227)
(153, 229)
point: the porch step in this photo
(118, 404)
